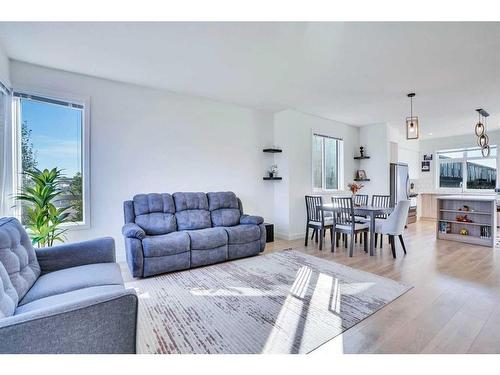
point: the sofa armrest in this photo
(250, 219)
(101, 324)
(132, 230)
(100, 250)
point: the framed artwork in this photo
(360, 174)
(428, 157)
(426, 166)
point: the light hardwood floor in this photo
(454, 306)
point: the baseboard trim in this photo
(289, 237)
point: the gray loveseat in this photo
(63, 299)
(165, 233)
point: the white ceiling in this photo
(357, 73)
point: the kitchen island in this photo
(467, 218)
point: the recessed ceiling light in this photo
(430, 133)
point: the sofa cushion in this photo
(166, 244)
(167, 263)
(222, 199)
(193, 219)
(154, 213)
(208, 256)
(68, 297)
(17, 257)
(8, 294)
(242, 234)
(225, 217)
(74, 278)
(191, 211)
(208, 238)
(190, 201)
(224, 209)
(243, 250)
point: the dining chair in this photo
(344, 222)
(360, 200)
(394, 225)
(317, 220)
(380, 201)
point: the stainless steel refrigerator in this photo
(399, 183)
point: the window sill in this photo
(75, 226)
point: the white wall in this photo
(144, 140)
(293, 132)
(407, 151)
(4, 67)
(427, 181)
(374, 139)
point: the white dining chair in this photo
(394, 225)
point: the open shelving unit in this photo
(481, 213)
(272, 150)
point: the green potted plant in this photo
(38, 196)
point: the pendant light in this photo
(480, 130)
(412, 130)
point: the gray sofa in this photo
(165, 233)
(63, 299)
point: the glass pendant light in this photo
(412, 130)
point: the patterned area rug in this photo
(284, 302)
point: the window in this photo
(326, 162)
(467, 169)
(52, 133)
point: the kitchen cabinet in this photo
(428, 206)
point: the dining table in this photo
(371, 212)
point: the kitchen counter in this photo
(464, 197)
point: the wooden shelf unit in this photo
(482, 211)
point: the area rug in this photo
(283, 302)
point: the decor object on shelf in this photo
(361, 151)
(480, 131)
(463, 218)
(412, 130)
(246, 294)
(360, 174)
(165, 233)
(464, 232)
(64, 299)
(273, 171)
(355, 187)
(38, 197)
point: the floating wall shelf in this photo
(272, 150)
(361, 179)
(273, 178)
(361, 157)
